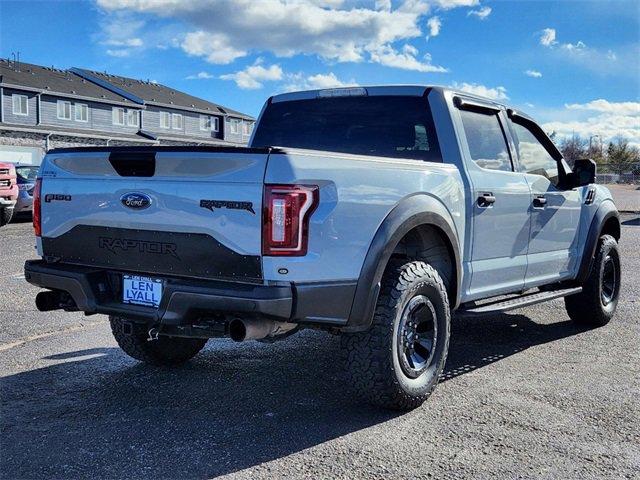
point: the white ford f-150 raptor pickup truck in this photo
(370, 212)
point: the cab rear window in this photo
(386, 126)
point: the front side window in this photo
(64, 110)
(215, 125)
(486, 141)
(20, 104)
(381, 125)
(534, 158)
(118, 116)
(82, 112)
(247, 128)
(176, 121)
(132, 118)
(165, 120)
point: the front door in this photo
(500, 205)
(555, 212)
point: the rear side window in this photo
(386, 126)
(485, 138)
(534, 158)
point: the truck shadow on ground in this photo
(99, 414)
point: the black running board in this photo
(512, 303)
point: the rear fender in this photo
(411, 212)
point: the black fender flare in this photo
(412, 211)
(605, 212)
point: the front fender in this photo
(411, 212)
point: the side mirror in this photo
(584, 172)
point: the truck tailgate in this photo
(188, 212)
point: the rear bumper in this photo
(96, 290)
(99, 291)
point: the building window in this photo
(82, 112)
(176, 121)
(118, 116)
(205, 123)
(165, 120)
(215, 124)
(64, 110)
(247, 128)
(235, 126)
(132, 118)
(20, 104)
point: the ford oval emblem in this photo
(135, 200)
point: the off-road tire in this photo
(588, 307)
(163, 351)
(6, 214)
(372, 356)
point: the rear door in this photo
(499, 204)
(185, 212)
(555, 211)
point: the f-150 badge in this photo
(233, 205)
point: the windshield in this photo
(387, 126)
(26, 174)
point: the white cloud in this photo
(574, 47)
(482, 13)
(434, 24)
(216, 48)
(299, 81)
(121, 31)
(118, 52)
(449, 4)
(251, 77)
(548, 37)
(200, 76)
(384, 5)
(128, 42)
(406, 59)
(598, 117)
(496, 93)
(604, 106)
(222, 31)
(533, 73)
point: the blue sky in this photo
(574, 65)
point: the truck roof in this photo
(379, 90)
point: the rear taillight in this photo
(287, 208)
(37, 218)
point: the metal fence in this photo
(605, 175)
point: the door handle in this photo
(539, 202)
(486, 200)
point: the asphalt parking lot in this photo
(524, 395)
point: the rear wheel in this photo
(397, 363)
(596, 304)
(5, 215)
(161, 351)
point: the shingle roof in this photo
(53, 80)
(157, 94)
(100, 86)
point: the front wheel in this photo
(5, 216)
(396, 364)
(162, 351)
(596, 304)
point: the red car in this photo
(8, 192)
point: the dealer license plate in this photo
(141, 290)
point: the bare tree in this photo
(573, 148)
